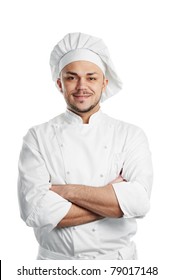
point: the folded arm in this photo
(89, 202)
(77, 216)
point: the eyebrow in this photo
(75, 74)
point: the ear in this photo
(105, 83)
(59, 84)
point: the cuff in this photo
(51, 209)
(133, 199)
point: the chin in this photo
(83, 107)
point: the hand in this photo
(60, 189)
(119, 179)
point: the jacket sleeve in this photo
(134, 194)
(39, 207)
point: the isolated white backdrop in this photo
(139, 36)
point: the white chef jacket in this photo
(66, 151)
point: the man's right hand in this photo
(119, 179)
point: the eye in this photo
(69, 78)
(92, 78)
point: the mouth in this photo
(81, 97)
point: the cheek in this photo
(98, 88)
(67, 93)
(67, 87)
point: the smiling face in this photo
(82, 84)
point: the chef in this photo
(84, 177)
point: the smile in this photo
(81, 97)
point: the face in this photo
(82, 84)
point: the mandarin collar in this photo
(76, 119)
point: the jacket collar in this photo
(76, 119)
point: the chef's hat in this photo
(79, 46)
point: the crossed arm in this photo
(88, 203)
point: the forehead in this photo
(82, 67)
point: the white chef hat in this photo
(79, 46)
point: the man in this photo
(84, 177)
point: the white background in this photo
(139, 35)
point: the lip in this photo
(81, 97)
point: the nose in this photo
(81, 84)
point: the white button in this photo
(68, 172)
(74, 228)
(93, 229)
(94, 257)
(101, 175)
(61, 145)
(105, 147)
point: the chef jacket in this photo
(66, 151)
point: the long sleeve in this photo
(134, 195)
(39, 207)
